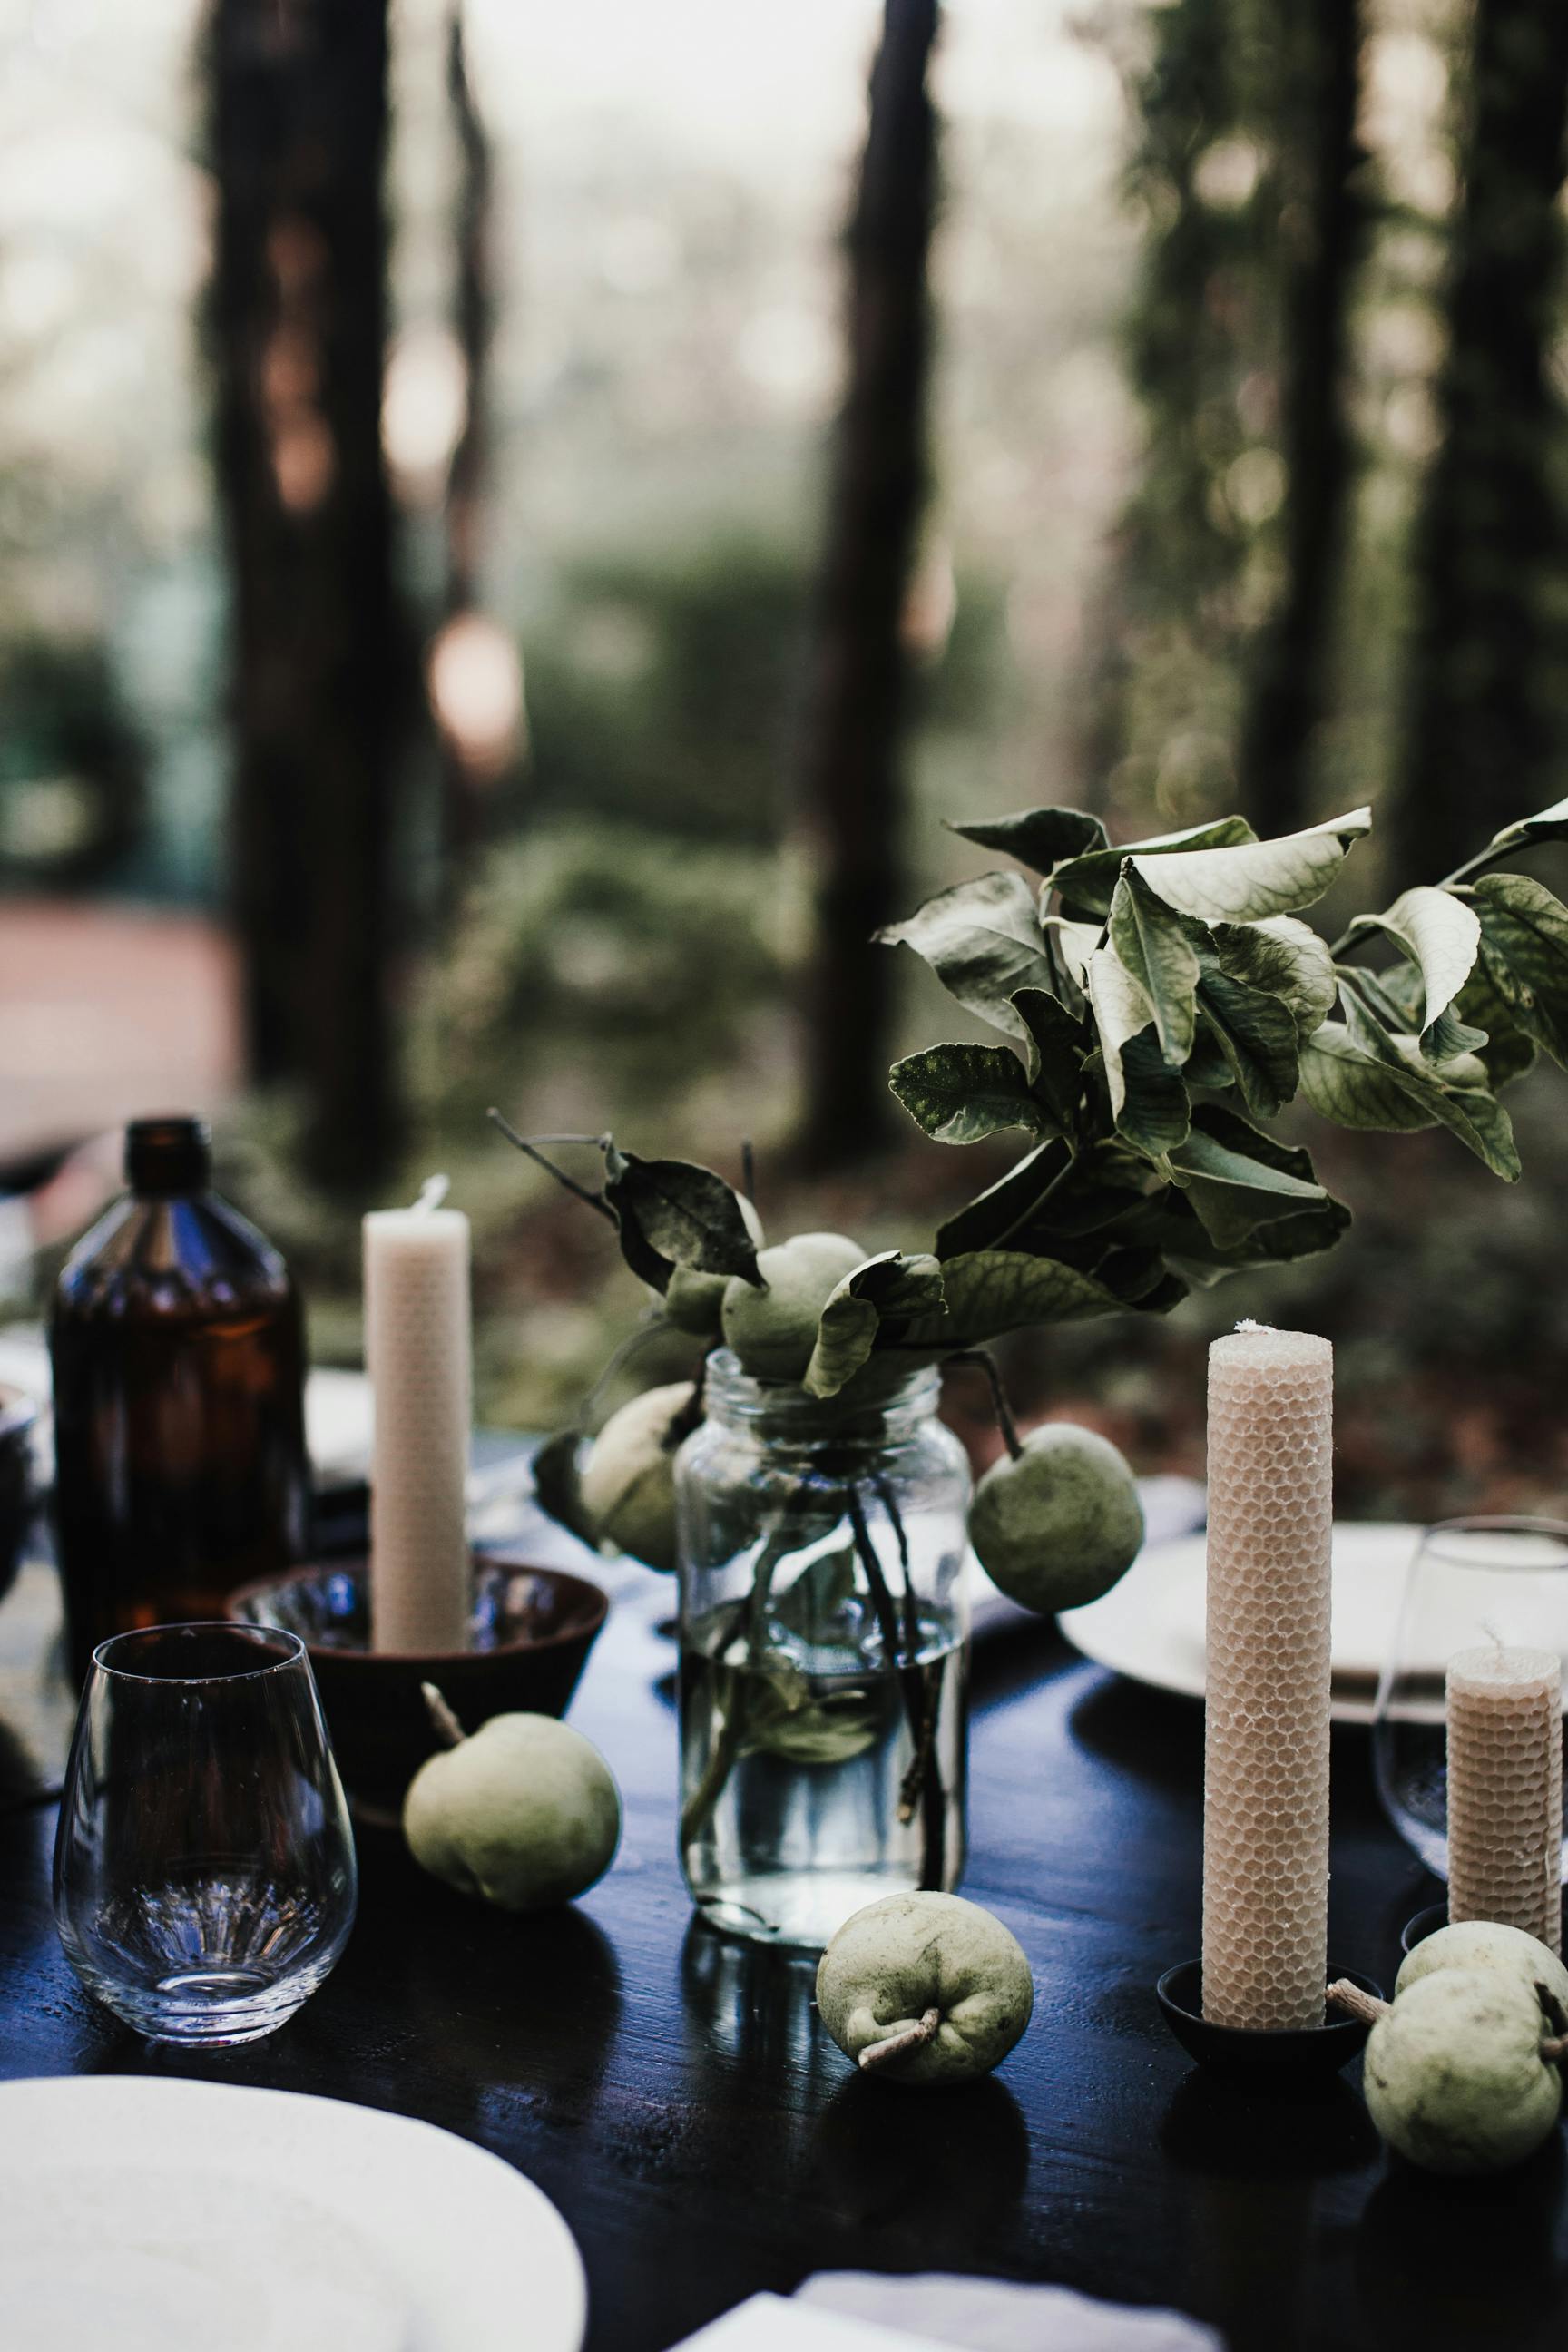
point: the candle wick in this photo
(432, 1193)
(1247, 1325)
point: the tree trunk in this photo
(321, 669)
(1320, 222)
(464, 788)
(1169, 628)
(854, 751)
(1483, 739)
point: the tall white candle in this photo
(1266, 1775)
(419, 1353)
(1505, 1788)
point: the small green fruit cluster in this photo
(925, 1988)
(1462, 2073)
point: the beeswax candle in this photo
(1505, 1788)
(418, 1356)
(1266, 1770)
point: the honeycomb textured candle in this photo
(1266, 1770)
(418, 1355)
(1505, 1788)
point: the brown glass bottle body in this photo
(179, 1360)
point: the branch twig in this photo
(580, 1191)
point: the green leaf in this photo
(1285, 958)
(1005, 1205)
(992, 1291)
(1547, 825)
(1147, 1101)
(1340, 1075)
(1441, 937)
(1039, 838)
(961, 1094)
(890, 1288)
(671, 1212)
(1056, 1053)
(1238, 1179)
(1257, 1033)
(1154, 950)
(1348, 1086)
(1256, 879)
(1524, 942)
(1509, 1052)
(1193, 1251)
(1089, 880)
(982, 940)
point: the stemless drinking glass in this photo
(205, 1875)
(1472, 1583)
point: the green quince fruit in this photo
(1455, 2076)
(1056, 1525)
(925, 1988)
(1487, 1944)
(525, 1813)
(772, 1330)
(628, 1485)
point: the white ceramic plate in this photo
(166, 2216)
(1151, 1625)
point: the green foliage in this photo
(1143, 1054)
(1200, 1006)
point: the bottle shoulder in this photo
(175, 1255)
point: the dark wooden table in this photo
(674, 2095)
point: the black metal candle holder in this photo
(1295, 2054)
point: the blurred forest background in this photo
(516, 526)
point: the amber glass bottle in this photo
(179, 1365)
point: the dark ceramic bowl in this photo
(1300, 2052)
(18, 1419)
(533, 1628)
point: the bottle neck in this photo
(166, 1157)
(882, 1405)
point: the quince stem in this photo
(898, 2045)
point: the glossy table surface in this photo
(675, 2096)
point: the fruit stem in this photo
(983, 1360)
(1554, 2049)
(449, 1729)
(913, 2037)
(580, 1192)
(1356, 2003)
(749, 1171)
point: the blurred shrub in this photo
(668, 686)
(628, 953)
(72, 781)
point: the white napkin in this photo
(997, 2316)
(862, 2311)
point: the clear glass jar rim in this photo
(251, 1637)
(730, 1392)
(1436, 1542)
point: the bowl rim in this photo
(585, 1629)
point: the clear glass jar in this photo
(824, 1650)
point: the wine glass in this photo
(1472, 1583)
(205, 1872)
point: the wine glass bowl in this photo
(204, 1871)
(1472, 1582)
